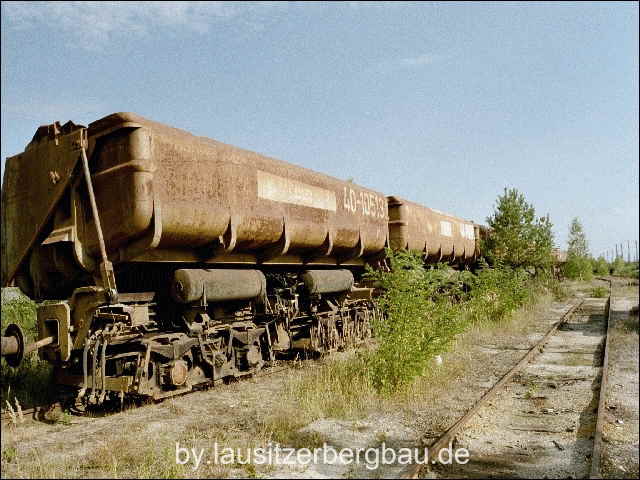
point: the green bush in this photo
(30, 383)
(600, 266)
(578, 268)
(621, 268)
(599, 292)
(419, 320)
(426, 308)
(496, 292)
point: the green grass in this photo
(599, 292)
(31, 383)
(559, 290)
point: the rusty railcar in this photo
(182, 260)
(437, 236)
(165, 195)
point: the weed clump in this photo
(420, 319)
(30, 383)
(425, 309)
(599, 292)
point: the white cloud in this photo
(94, 24)
(420, 60)
(405, 63)
(375, 4)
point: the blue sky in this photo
(442, 103)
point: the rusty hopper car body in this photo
(165, 195)
(182, 260)
(436, 235)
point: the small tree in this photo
(578, 264)
(600, 266)
(618, 266)
(578, 245)
(518, 238)
(542, 245)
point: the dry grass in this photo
(139, 455)
(124, 456)
(626, 290)
(629, 324)
(336, 390)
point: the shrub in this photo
(426, 308)
(419, 320)
(578, 268)
(600, 266)
(599, 292)
(621, 268)
(496, 292)
(31, 382)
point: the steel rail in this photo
(597, 440)
(413, 471)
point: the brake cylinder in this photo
(327, 281)
(217, 285)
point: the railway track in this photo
(544, 417)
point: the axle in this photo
(13, 348)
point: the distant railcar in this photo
(436, 235)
